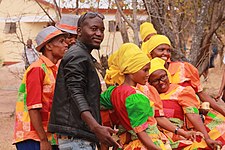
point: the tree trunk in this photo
(199, 32)
(122, 28)
(202, 56)
(135, 29)
(123, 31)
(133, 26)
(157, 12)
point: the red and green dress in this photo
(177, 102)
(177, 142)
(133, 113)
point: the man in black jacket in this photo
(75, 114)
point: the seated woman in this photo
(182, 73)
(181, 137)
(180, 104)
(134, 111)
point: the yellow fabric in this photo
(154, 42)
(146, 28)
(158, 64)
(128, 59)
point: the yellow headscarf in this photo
(158, 64)
(146, 28)
(128, 59)
(153, 42)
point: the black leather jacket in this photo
(77, 89)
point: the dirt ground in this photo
(9, 82)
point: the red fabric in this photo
(34, 84)
(118, 100)
(172, 109)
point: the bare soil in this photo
(10, 78)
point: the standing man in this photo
(31, 55)
(36, 92)
(75, 115)
(68, 23)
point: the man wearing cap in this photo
(36, 91)
(75, 114)
(68, 23)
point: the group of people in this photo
(153, 103)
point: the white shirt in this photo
(32, 55)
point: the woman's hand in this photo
(217, 97)
(191, 135)
(212, 143)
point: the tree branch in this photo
(123, 15)
(45, 11)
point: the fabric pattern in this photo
(153, 95)
(178, 99)
(35, 92)
(134, 113)
(185, 74)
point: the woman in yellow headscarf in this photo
(180, 104)
(134, 112)
(147, 30)
(184, 74)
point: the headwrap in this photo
(146, 28)
(158, 64)
(153, 42)
(127, 59)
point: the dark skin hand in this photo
(206, 98)
(103, 133)
(147, 141)
(166, 124)
(198, 124)
(35, 117)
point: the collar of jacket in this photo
(83, 46)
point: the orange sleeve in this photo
(153, 96)
(192, 73)
(188, 100)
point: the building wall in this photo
(11, 48)
(11, 45)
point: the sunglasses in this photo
(91, 15)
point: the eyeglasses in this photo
(162, 78)
(91, 15)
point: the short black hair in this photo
(89, 15)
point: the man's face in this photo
(29, 43)
(91, 33)
(71, 39)
(58, 46)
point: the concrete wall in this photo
(32, 19)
